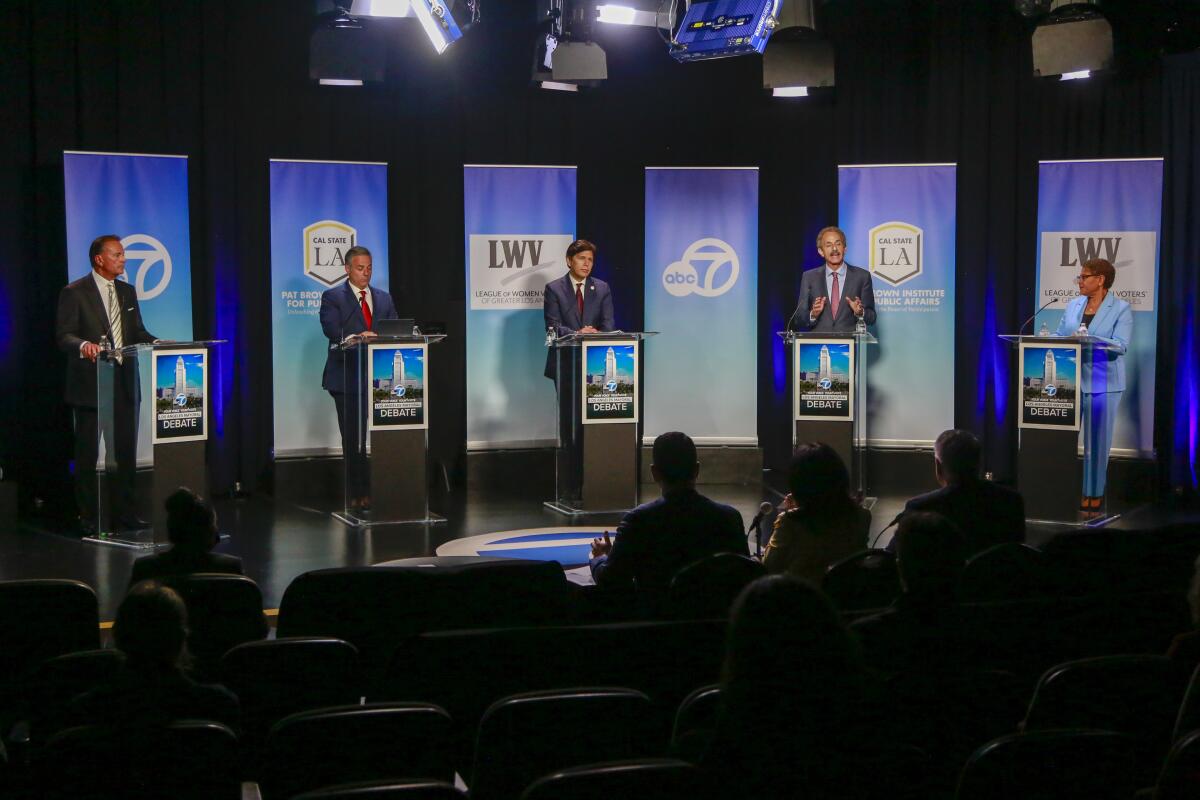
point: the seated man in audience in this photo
(151, 689)
(1185, 648)
(657, 539)
(192, 532)
(923, 627)
(986, 513)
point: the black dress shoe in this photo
(132, 522)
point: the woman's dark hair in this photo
(818, 479)
(151, 626)
(1104, 269)
(578, 246)
(191, 521)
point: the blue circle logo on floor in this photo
(571, 547)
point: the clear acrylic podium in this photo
(386, 447)
(829, 395)
(596, 465)
(1049, 470)
(152, 425)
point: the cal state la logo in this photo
(897, 251)
(325, 246)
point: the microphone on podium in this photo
(1049, 303)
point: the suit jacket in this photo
(1105, 371)
(83, 317)
(561, 310)
(182, 562)
(856, 283)
(341, 316)
(657, 539)
(987, 514)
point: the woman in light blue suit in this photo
(1103, 375)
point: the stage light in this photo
(339, 82)
(342, 52)
(797, 57)
(618, 15)
(437, 22)
(565, 53)
(381, 8)
(559, 86)
(644, 13)
(1075, 76)
(723, 28)
(1074, 37)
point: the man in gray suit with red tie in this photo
(835, 296)
(577, 302)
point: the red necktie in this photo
(579, 300)
(362, 294)
(835, 297)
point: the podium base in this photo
(128, 540)
(1083, 521)
(569, 510)
(358, 521)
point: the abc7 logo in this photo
(681, 277)
(1050, 391)
(152, 254)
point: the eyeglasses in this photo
(1082, 278)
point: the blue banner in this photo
(702, 297)
(900, 224)
(144, 200)
(518, 222)
(1110, 210)
(319, 209)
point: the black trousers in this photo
(351, 413)
(120, 431)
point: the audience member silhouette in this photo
(152, 689)
(192, 531)
(792, 696)
(657, 539)
(924, 625)
(986, 513)
(821, 523)
(1185, 648)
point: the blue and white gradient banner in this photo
(319, 209)
(144, 200)
(518, 222)
(701, 374)
(1112, 210)
(900, 224)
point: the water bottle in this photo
(1082, 329)
(105, 347)
(1044, 330)
(416, 329)
(860, 327)
(550, 337)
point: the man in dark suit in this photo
(836, 296)
(99, 307)
(986, 513)
(348, 314)
(576, 302)
(657, 539)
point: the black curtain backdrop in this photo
(226, 83)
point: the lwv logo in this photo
(1078, 249)
(511, 253)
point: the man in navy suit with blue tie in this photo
(577, 302)
(835, 296)
(349, 312)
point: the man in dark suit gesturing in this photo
(349, 313)
(96, 307)
(577, 302)
(833, 297)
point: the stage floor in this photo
(278, 540)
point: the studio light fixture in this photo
(381, 8)
(564, 53)
(343, 52)
(797, 58)
(1074, 39)
(644, 13)
(438, 23)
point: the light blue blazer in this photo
(1105, 371)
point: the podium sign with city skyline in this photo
(824, 380)
(1048, 387)
(398, 386)
(180, 381)
(609, 379)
